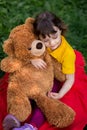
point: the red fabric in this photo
(3, 103)
(75, 98)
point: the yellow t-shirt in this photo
(66, 56)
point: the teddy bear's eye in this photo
(29, 48)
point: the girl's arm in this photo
(39, 63)
(65, 88)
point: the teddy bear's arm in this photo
(48, 59)
(10, 64)
(57, 70)
(56, 66)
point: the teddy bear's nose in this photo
(39, 45)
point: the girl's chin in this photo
(54, 47)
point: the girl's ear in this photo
(63, 28)
(8, 47)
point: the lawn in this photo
(73, 12)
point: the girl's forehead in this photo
(56, 28)
(47, 33)
(56, 32)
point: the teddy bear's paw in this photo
(61, 116)
(10, 65)
(20, 108)
(61, 121)
(57, 113)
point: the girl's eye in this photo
(54, 35)
(45, 40)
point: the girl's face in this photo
(53, 40)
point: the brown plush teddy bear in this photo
(26, 82)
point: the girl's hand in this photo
(39, 63)
(54, 95)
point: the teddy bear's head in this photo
(22, 42)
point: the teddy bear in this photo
(27, 82)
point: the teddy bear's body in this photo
(26, 82)
(21, 88)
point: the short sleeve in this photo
(68, 65)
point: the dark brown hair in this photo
(45, 21)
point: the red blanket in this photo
(75, 98)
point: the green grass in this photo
(73, 12)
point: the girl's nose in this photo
(51, 42)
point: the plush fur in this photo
(26, 82)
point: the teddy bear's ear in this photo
(29, 21)
(8, 47)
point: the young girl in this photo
(50, 29)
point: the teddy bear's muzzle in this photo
(37, 48)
